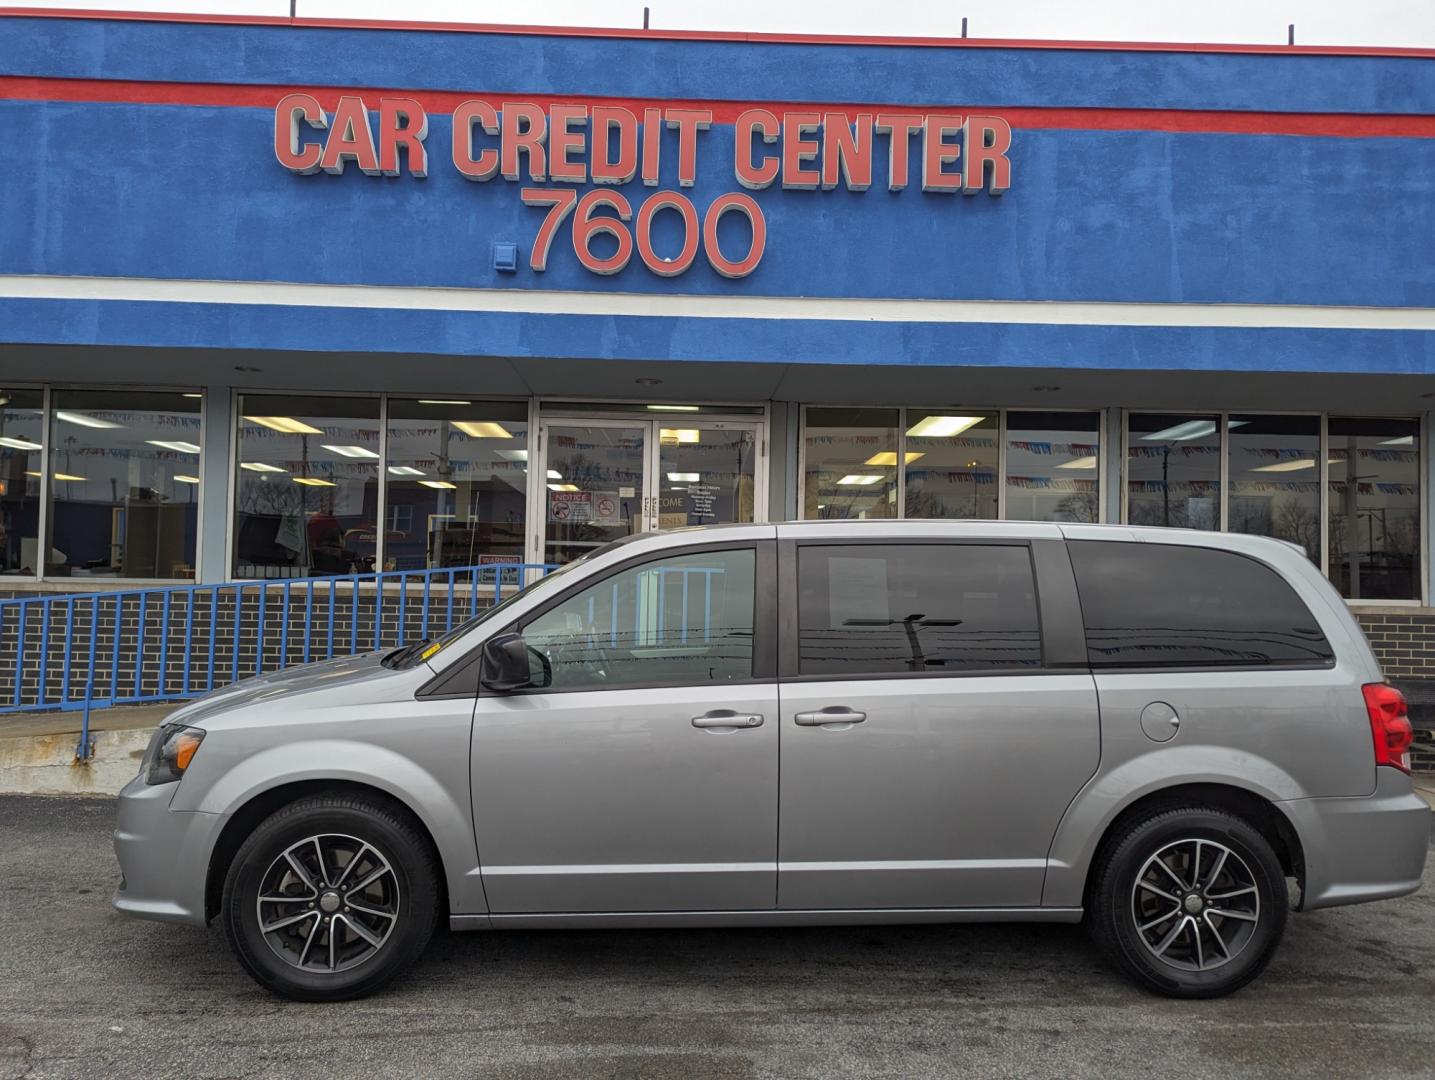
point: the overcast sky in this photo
(1318, 22)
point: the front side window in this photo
(915, 608)
(124, 484)
(21, 443)
(307, 486)
(1053, 466)
(1164, 605)
(457, 482)
(685, 620)
(1374, 521)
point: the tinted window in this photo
(680, 621)
(1159, 605)
(870, 609)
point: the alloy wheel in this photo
(1195, 904)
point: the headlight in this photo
(175, 747)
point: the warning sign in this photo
(571, 506)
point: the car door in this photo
(930, 738)
(639, 773)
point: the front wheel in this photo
(1190, 902)
(331, 897)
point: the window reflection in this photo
(1275, 482)
(21, 440)
(124, 479)
(850, 463)
(1053, 466)
(1173, 470)
(457, 478)
(306, 488)
(1374, 521)
(951, 464)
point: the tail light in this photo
(1389, 724)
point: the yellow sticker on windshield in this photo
(435, 647)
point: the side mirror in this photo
(505, 663)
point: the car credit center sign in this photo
(524, 143)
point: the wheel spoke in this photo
(1194, 868)
(1205, 916)
(1200, 953)
(309, 941)
(1228, 895)
(1243, 916)
(1166, 941)
(1158, 921)
(280, 924)
(323, 871)
(351, 864)
(1180, 884)
(1220, 865)
(333, 941)
(302, 871)
(1159, 892)
(369, 880)
(362, 930)
(365, 909)
(285, 899)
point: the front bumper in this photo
(1367, 848)
(163, 854)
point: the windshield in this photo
(420, 651)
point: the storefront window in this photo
(124, 484)
(307, 486)
(1173, 470)
(1275, 478)
(951, 463)
(851, 463)
(1053, 466)
(457, 478)
(21, 440)
(1374, 519)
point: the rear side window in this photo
(915, 608)
(1164, 605)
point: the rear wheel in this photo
(1190, 902)
(331, 897)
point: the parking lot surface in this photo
(85, 992)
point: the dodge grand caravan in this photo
(1151, 731)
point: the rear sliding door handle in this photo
(726, 718)
(834, 715)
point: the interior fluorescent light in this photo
(563, 487)
(684, 477)
(194, 395)
(313, 481)
(351, 451)
(482, 429)
(179, 447)
(259, 466)
(554, 474)
(1190, 429)
(861, 479)
(889, 457)
(1403, 440)
(19, 444)
(942, 427)
(1296, 465)
(285, 424)
(438, 484)
(1079, 463)
(674, 408)
(680, 435)
(187, 479)
(32, 472)
(442, 401)
(405, 470)
(67, 476)
(84, 419)
(512, 455)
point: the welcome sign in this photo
(610, 145)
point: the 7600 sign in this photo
(587, 224)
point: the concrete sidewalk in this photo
(37, 750)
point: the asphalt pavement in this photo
(86, 992)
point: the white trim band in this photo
(552, 302)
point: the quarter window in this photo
(915, 608)
(1164, 605)
(680, 621)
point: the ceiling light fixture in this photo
(1079, 463)
(1296, 465)
(405, 470)
(350, 451)
(512, 455)
(554, 474)
(285, 425)
(259, 466)
(186, 479)
(860, 479)
(84, 419)
(313, 481)
(684, 477)
(680, 436)
(177, 446)
(889, 457)
(67, 476)
(942, 427)
(444, 484)
(674, 408)
(563, 487)
(442, 401)
(482, 429)
(19, 444)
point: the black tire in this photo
(1115, 898)
(408, 887)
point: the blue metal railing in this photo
(137, 646)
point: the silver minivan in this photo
(1152, 731)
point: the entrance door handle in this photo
(835, 714)
(726, 718)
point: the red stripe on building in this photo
(443, 101)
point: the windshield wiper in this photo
(400, 656)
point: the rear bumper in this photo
(163, 854)
(1360, 849)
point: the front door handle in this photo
(726, 718)
(834, 714)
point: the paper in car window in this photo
(856, 589)
(431, 650)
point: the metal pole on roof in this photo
(645, 18)
(1290, 34)
(964, 26)
(293, 8)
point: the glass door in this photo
(609, 478)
